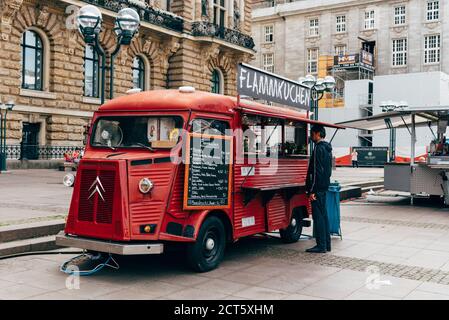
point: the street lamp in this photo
(4, 108)
(89, 21)
(126, 26)
(318, 87)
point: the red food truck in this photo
(141, 184)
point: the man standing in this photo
(318, 181)
(355, 158)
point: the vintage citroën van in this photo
(144, 182)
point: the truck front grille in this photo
(96, 195)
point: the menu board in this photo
(207, 183)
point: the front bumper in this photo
(119, 248)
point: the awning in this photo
(285, 113)
(399, 119)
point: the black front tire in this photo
(206, 253)
(294, 230)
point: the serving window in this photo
(295, 138)
(271, 137)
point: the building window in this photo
(369, 20)
(312, 61)
(314, 27)
(91, 72)
(341, 24)
(268, 33)
(340, 50)
(399, 52)
(268, 62)
(216, 82)
(138, 73)
(32, 61)
(219, 17)
(432, 49)
(399, 15)
(433, 10)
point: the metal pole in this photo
(412, 155)
(4, 135)
(412, 160)
(102, 53)
(111, 72)
(3, 157)
(1, 141)
(1, 131)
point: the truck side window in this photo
(262, 136)
(210, 126)
(295, 138)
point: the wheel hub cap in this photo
(210, 244)
(293, 223)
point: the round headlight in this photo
(145, 185)
(69, 180)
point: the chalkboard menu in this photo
(207, 183)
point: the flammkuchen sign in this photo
(267, 86)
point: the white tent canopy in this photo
(399, 119)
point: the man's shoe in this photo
(316, 250)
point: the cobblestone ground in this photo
(389, 251)
(32, 196)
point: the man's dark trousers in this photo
(321, 221)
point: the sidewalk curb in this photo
(28, 245)
(30, 230)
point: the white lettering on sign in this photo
(258, 84)
(248, 222)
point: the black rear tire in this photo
(206, 253)
(294, 230)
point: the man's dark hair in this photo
(320, 129)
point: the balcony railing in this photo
(208, 29)
(147, 14)
(170, 21)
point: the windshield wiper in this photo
(144, 146)
(105, 145)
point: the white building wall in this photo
(356, 92)
(428, 89)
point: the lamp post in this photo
(318, 88)
(126, 26)
(4, 108)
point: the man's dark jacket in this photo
(320, 168)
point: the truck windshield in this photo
(137, 132)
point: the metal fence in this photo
(38, 152)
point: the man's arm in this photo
(319, 167)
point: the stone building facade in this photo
(406, 36)
(178, 43)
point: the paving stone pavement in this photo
(412, 224)
(388, 251)
(356, 264)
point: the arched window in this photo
(217, 82)
(139, 73)
(91, 72)
(32, 61)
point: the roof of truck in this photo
(175, 100)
